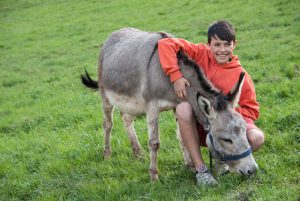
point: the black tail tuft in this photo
(89, 82)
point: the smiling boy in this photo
(222, 68)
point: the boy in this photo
(222, 68)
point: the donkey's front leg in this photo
(153, 136)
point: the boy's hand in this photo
(180, 86)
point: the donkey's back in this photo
(130, 73)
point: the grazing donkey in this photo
(130, 78)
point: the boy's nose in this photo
(222, 48)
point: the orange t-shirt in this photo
(224, 76)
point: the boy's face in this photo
(222, 50)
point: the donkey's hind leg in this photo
(128, 121)
(107, 124)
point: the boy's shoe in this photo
(204, 177)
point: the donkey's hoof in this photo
(137, 153)
(190, 167)
(154, 178)
(107, 153)
(153, 175)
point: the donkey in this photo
(130, 78)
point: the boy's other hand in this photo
(180, 86)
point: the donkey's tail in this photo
(89, 82)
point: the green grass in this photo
(50, 125)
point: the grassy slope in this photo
(50, 128)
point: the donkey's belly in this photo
(136, 104)
(128, 104)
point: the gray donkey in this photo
(130, 78)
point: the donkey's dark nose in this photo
(250, 172)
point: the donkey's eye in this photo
(227, 140)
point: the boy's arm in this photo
(167, 49)
(249, 107)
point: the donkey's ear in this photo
(206, 107)
(235, 93)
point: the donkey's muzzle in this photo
(248, 171)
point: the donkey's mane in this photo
(186, 60)
(221, 99)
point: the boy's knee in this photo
(256, 138)
(184, 111)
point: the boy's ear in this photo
(206, 107)
(235, 43)
(208, 45)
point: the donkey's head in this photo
(227, 139)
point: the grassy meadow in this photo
(51, 126)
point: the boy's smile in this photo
(222, 50)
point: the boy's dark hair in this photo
(222, 29)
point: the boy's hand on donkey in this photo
(180, 87)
